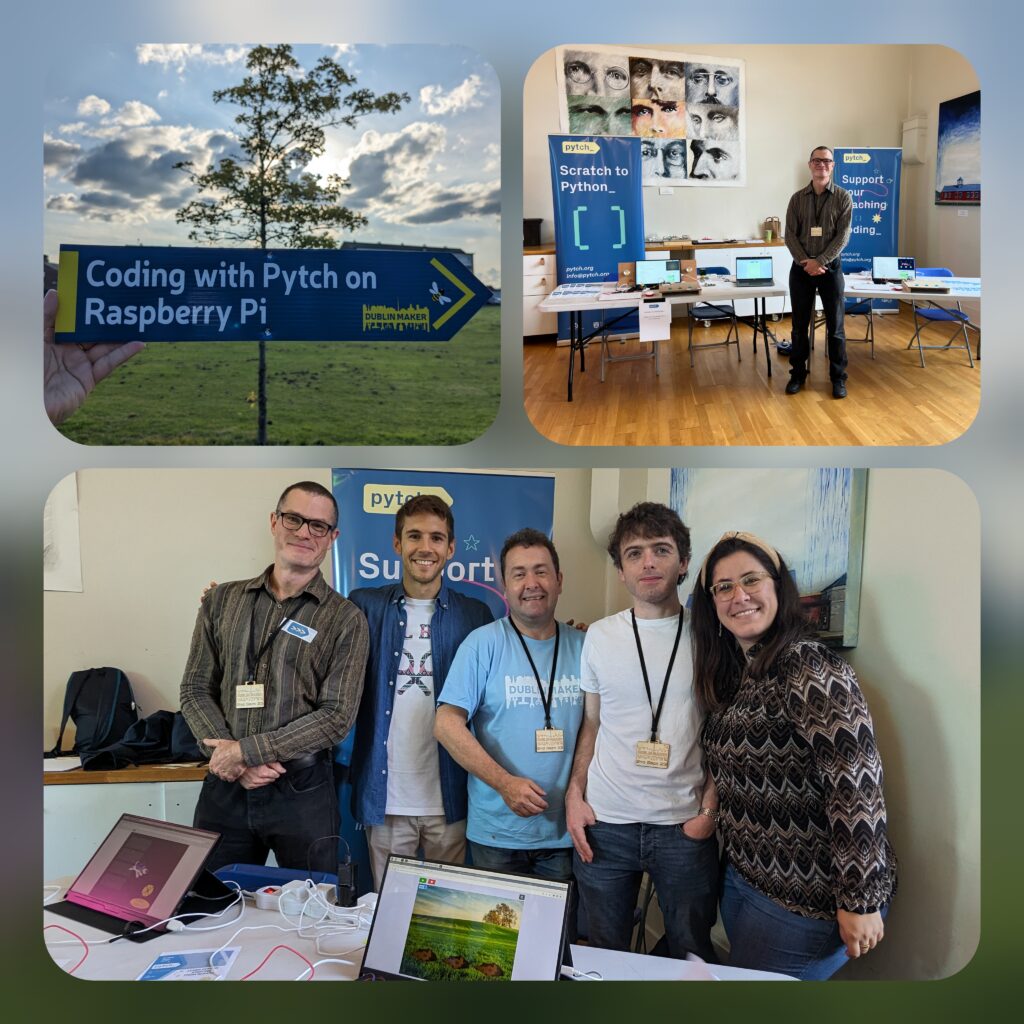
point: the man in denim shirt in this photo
(407, 790)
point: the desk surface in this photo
(959, 288)
(721, 290)
(136, 773)
(125, 961)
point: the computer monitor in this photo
(893, 268)
(142, 870)
(454, 922)
(753, 268)
(651, 273)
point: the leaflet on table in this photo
(582, 290)
(191, 965)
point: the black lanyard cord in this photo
(545, 701)
(251, 663)
(656, 715)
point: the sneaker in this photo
(839, 389)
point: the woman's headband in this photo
(747, 538)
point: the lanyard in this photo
(817, 208)
(656, 715)
(251, 664)
(545, 701)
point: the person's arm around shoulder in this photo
(578, 813)
(451, 729)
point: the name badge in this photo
(307, 634)
(550, 741)
(249, 695)
(816, 232)
(652, 755)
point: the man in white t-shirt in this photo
(639, 799)
(406, 789)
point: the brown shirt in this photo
(832, 211)
(311, 689)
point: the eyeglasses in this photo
(820, 161)
(293, 522)
(748, 581)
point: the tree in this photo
(502, 915)
(264, 194)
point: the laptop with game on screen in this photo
(455, 922)
(143, 874)
(892, 269)
(754, 272)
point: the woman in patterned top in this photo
(789, 742)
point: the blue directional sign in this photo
(132, 293)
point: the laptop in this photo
(455, 922)
(144, 872)
(892, 269)
(754, 272)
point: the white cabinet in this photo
(539, 280)
(781, 262)
(77, 818)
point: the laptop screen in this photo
(143, 869)
(654, 272)
(893, 268)
(448, 922)
(753, 268)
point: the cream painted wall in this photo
(796, 97)
(152, 539)
(918, 662)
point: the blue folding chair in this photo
(709, 312)
(930, 314)
(853, 307)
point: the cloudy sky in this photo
(118, 120)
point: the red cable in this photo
(271, 953)
(81, 940)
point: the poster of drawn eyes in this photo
(958, 154)
(687, 110)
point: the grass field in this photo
(476, 942)
(394, 393)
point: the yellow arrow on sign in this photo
(467, 294)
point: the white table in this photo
(125, 961)
(860, 286)
(723, 290)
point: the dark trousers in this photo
(832, 289)
(288, 816)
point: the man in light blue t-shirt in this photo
(509, 714)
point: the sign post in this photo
(129, 293)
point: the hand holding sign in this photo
(70, 372)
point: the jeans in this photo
(685, 876)
(555, 864)
(405, 835)
(287, 816)
(831, 286)
(766, 937)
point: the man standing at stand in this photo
(271, 684)
(407, 790)
(818, 222)
(510, 714)
(639, 799)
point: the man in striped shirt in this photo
(272, 683)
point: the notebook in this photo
(454, 922)
(141, 874)
(754, 272)
(892, 269)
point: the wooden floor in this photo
(892, 400)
